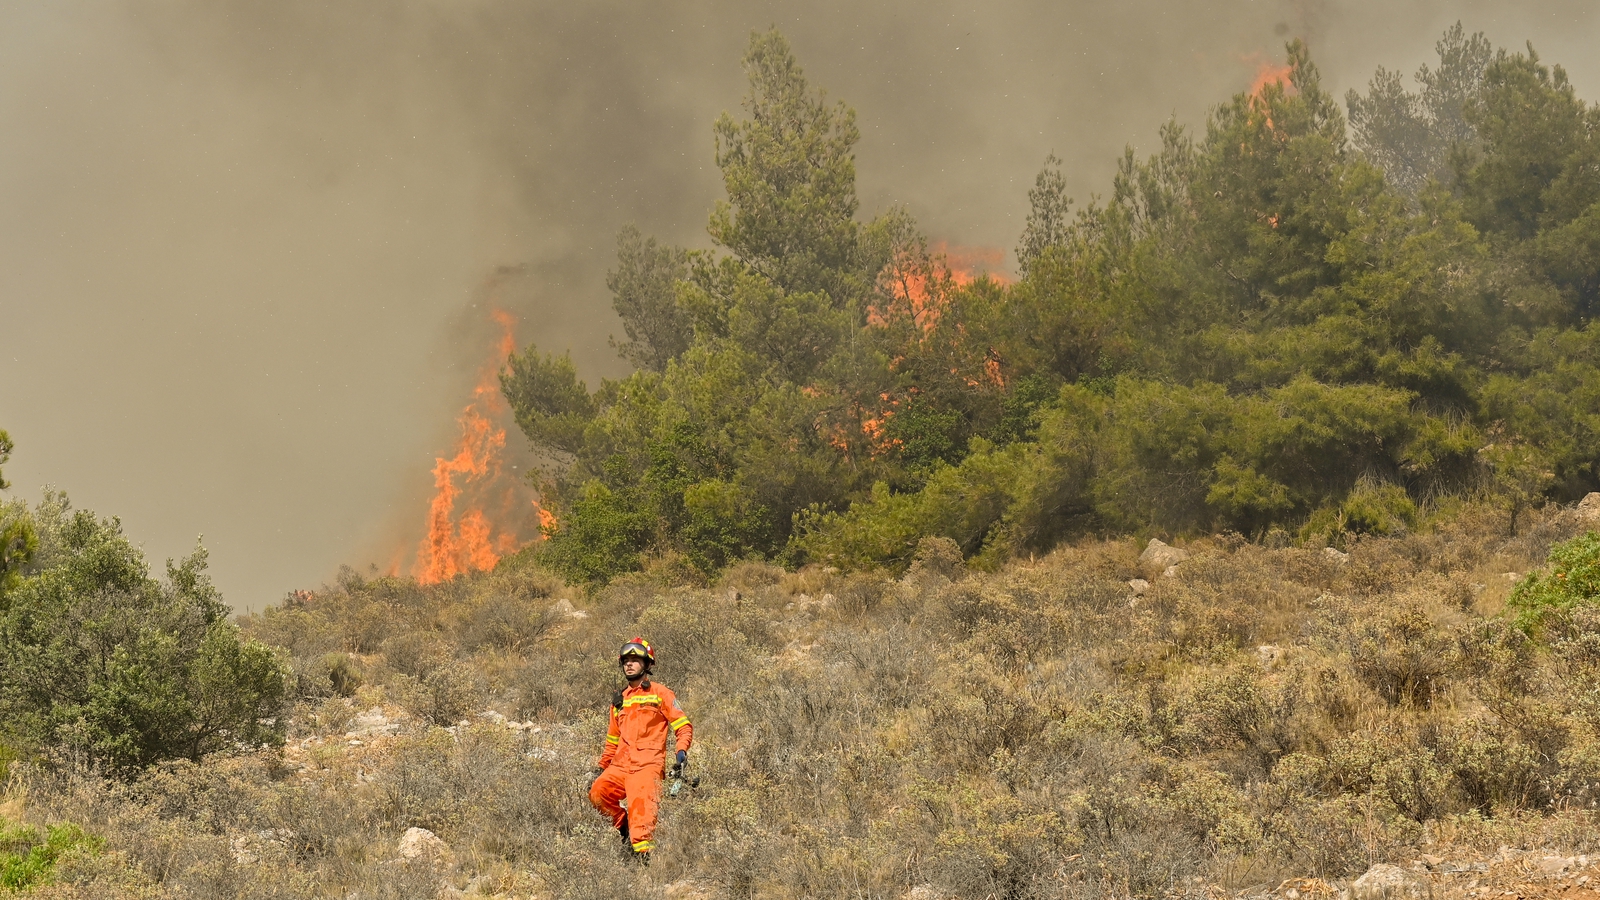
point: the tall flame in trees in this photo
(1269, 72)
(968, 264)
(916, 286)
(916, 281)
(478, 512)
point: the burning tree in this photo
(1258, 328)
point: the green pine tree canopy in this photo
(1271, 325)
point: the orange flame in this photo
(471, 541)
(1269, 72)
(968, 264)
(917, 285)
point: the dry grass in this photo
(1035, 732)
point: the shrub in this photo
(29, 858)
(105, 660)
(1570, 577)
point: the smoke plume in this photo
(244, 247)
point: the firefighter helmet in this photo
(637, 647)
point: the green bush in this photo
(102, 659)
(1570, 577)
(28, 858)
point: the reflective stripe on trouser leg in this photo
(644, 798)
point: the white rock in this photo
(1269, 655)
(807, 603)
(1337, 555)
(562, 607)
(494, 718)
(372, 722)
(243, 853)
(922, 892)
(1589, 507)
(1158, 556)
(420, 843)
(687, 889)
(1386, 882)
(247, 849)
(1553, 865)
(1139, 586)
(1169, 572)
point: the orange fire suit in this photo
(635, 758)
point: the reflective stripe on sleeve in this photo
(612, 739)
(679, 723)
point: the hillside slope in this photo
(1048, 730)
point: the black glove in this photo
(593, 778)
(677, 770)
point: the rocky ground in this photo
(1512, 874)
(1448, 873)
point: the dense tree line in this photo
(1264, 328)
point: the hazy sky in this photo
(241, 242)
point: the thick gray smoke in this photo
(241, 243)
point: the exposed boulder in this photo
(422, 844)
(1386, 882)
(371, 724)
(563, 609)
(1588, 508)
(1159, 556)
(1551, 866)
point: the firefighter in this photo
(636, 750)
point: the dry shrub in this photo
(1238, 708)
(448, 693)
(510, 621)
(750, 575)
(415, 654)
(995, 844)
(936, 557)
(1400, 655)
(1491, 767)
(1031, 732)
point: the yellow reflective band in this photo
(679, 723)
(613, 739)
(642, 698)
(643, 846)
